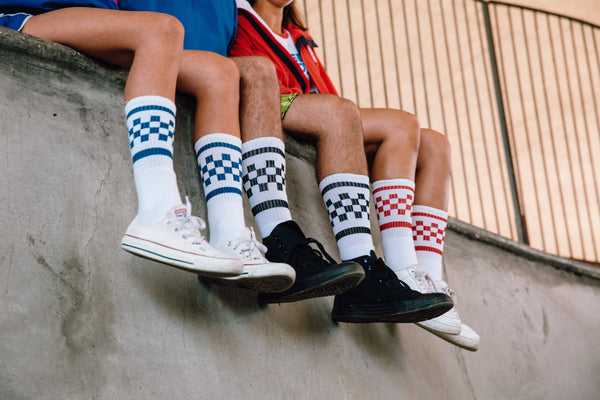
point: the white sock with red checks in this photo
(429, 232)
(393, 199)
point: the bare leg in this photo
(214, 81)
(395, 136)
(391, 142)
(121, 38)
(333, 125)
(433, 170)
(260, 107)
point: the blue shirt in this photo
(210, 25)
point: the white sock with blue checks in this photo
(219, 157)
(151, 125)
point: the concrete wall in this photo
(82, 319)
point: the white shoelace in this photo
(249, 247)
(423, 279)
(442, 287)
(189, 225)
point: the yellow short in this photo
(286, 102)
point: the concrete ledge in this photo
(81, 319)
(52, 53)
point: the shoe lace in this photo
(424, 280)
(302, 254)
(385, 275)
(249, 247)
(189, 226)
(442, 287)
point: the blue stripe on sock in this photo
(218, 144)
(222, 190)
(150, 107)
(154, 151)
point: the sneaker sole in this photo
(407, 312)
(261, 284)
(212, 267)
(341, 281)
(449, 326)
(461, 340)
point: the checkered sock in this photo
(263, 161)
(346, 197)
(393, 199)
(151, 124)
(219, 158)
(429, 231)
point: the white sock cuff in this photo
(262, 142)
(210, 140)
(397, 183)
(421, 210)
(142, 101)
(335, 179)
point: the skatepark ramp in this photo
(82, 319)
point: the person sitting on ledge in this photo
(409, 166)
(151, 46)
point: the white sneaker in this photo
(417, 279)
(259, 274)
(176, 240)
(467, 338)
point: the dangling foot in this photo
(176, 240)
(259, 274)
(382, 297)
(317, 274)
(416, 277)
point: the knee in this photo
(344, 123)
(343, 112)
(435, 147)
(256, 70)
(402, 130)
(221, 76)
(166, 30)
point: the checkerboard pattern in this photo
(394, 206)
(342, 207)
(219, 159)
(263, 177)
(346, 197)
(393, 201)
(429, 229)
(151, 127)
(263, 162)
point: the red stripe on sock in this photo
(422, 214)
(392, 188)
(428, 248)
(396, 224)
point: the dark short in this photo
(14, 21)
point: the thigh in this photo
(111, 35)
(311, 116)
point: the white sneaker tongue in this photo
(181, 211)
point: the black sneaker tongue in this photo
(365, 261)
(290, 233)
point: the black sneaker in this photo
(382, 297)
(317, 274)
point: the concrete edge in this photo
(72, 59)
(481, 235)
